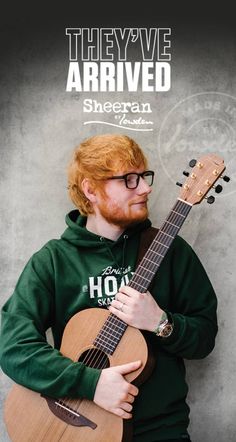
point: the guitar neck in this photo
(114, 328)
(152, 259)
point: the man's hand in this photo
(114, 393)
(137, 309)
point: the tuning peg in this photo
(185, 173)
(225, 178)
(192, 163)
(179, 184)
(218, 188)
(210, 199)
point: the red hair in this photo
(99, 157)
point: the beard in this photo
(135, 211)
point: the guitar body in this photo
(28, 416)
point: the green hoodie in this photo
(82, 270)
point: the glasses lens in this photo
(148, 177)
(132, 180)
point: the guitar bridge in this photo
(72, 417)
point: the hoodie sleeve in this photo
(192, 306)
(25, 354)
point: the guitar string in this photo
(95, 358)
(170, 230)
(74, 404)
(98, 359)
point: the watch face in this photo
(167, 330)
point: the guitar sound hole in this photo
(95, 358)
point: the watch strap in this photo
(165, 326)
(163, 321)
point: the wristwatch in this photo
(165, 326)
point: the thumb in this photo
(128, 368)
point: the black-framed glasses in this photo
(132, 179)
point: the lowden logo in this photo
(129, 115)
(200, 124)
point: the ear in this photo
(89, 190)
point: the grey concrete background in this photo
(40, 126)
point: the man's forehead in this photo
(124, 171)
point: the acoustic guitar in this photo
(99, 339)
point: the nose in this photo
(143, 187)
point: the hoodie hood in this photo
(77, 234)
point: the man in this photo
(90, 266)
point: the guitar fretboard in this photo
(114, 328)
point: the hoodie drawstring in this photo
(121, 268)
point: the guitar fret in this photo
(155, 240)
(162, 237)
(107, 326)
(110, 338)
(102, 341)
(118, 322)
(148, 270)
(143, 277)
(170, 230)
(114, 336)
(174, 225)
(178, 213)
(150, 260)
(138, 286)
(156, 253)
(176, 218)
(159, 254)
(167, 234)
(104, 346)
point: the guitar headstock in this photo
(206, 171)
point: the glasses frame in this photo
(138, 175)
